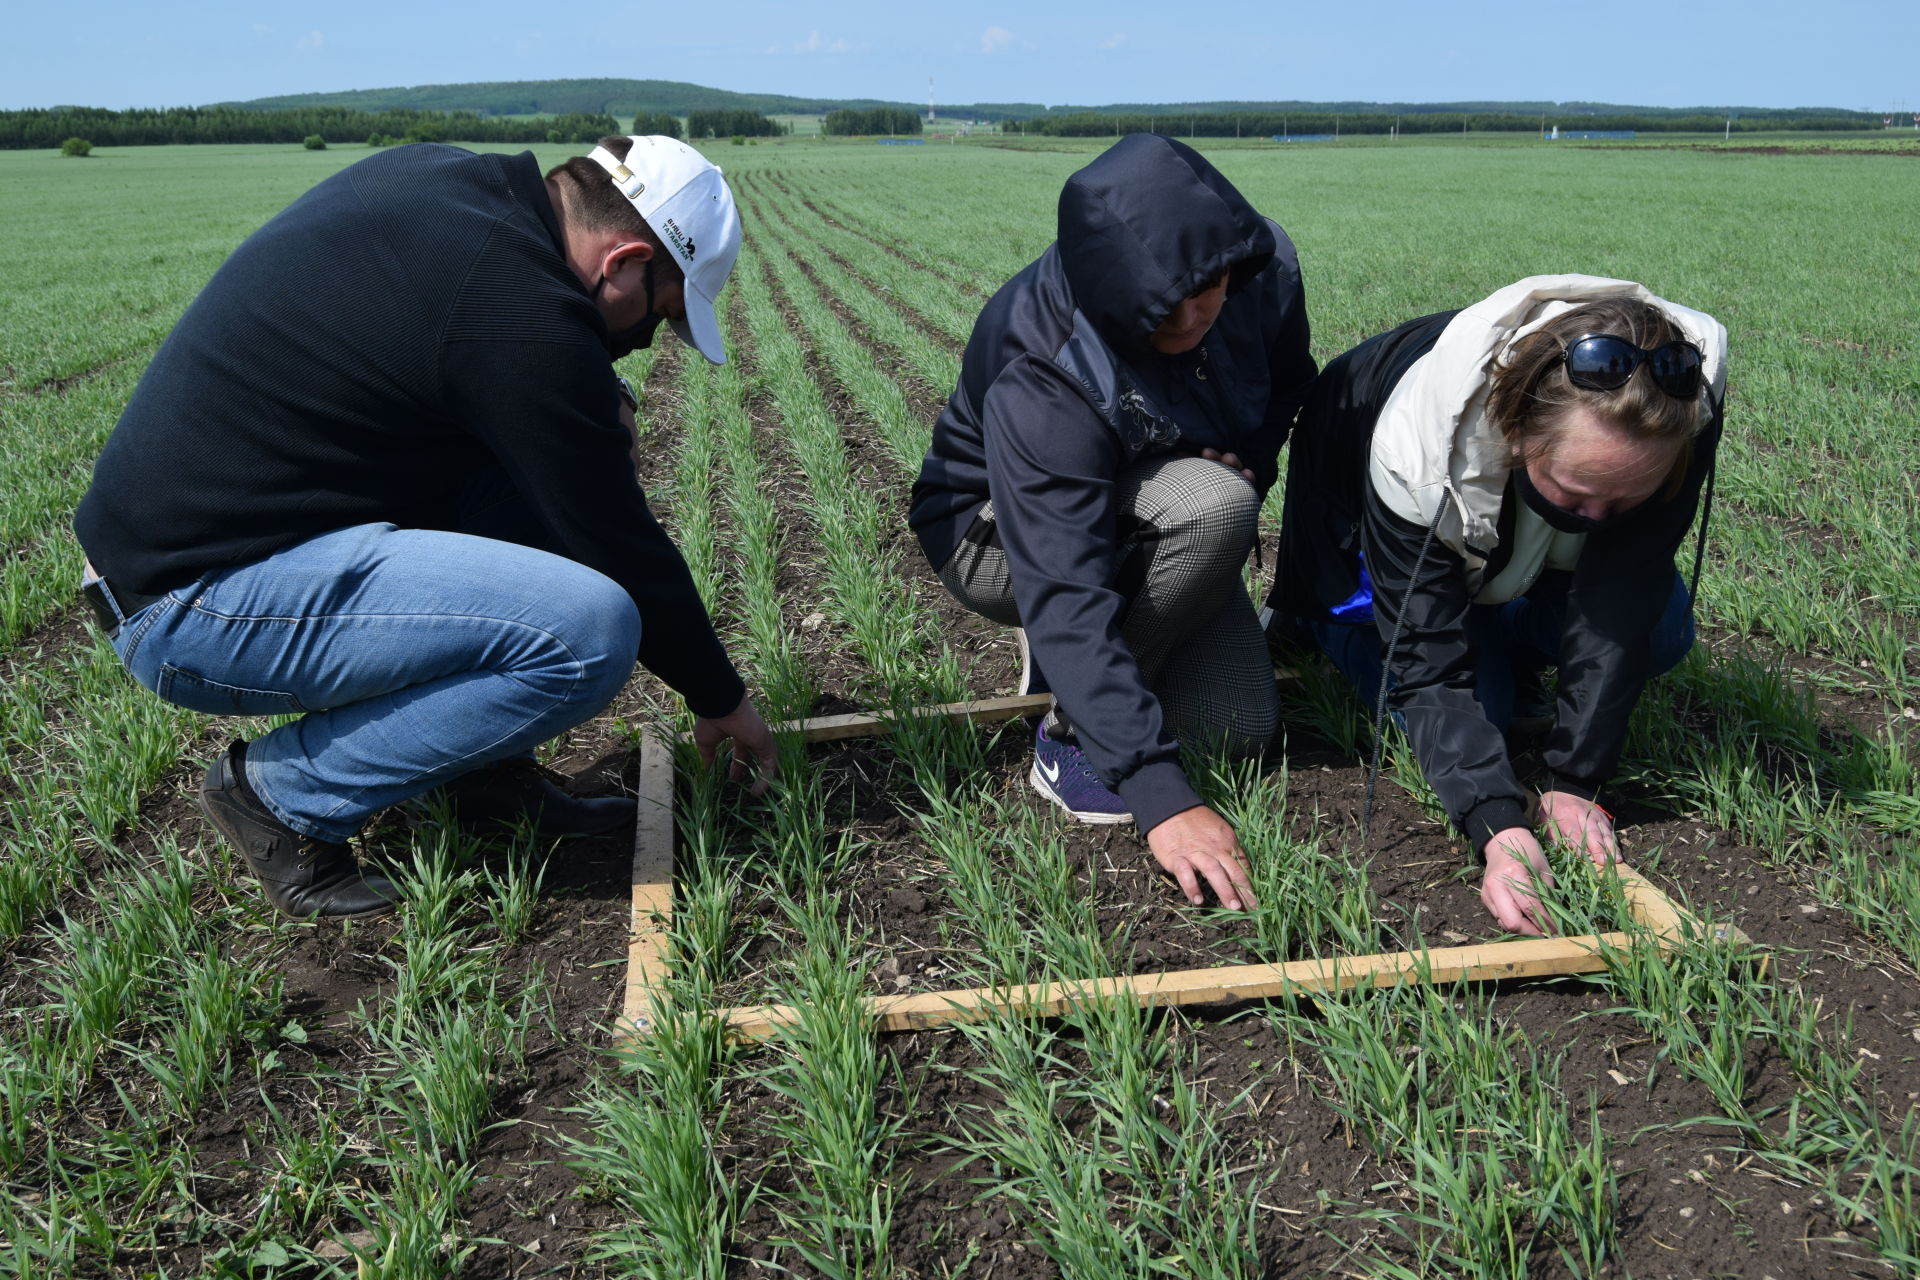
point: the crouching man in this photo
(1097, 476)
(378, 477)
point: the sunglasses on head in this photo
(1603, 362)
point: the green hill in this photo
(559, 97)
(627, 97)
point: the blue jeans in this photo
(415, 655)
(1523, 634)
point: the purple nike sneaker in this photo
(1061, 774)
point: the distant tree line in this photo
(731, 122)
(659, 123)
(847, 123)
(47, 127)
(1090, 124)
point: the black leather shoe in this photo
(302, 876)
(510, 793)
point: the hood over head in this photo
(1147, 224)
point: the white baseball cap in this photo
(686, 201)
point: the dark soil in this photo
(1693, 1201)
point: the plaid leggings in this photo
(1188, 524)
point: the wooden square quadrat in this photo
(1667, 927)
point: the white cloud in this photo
(1113, 41)
(312, 40)
(994, 39)
(261, 28)
(814, 44)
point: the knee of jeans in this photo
(602, 638)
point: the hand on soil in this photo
(753, 750)
(1228, 460)
(1515, 876)
(1198, 842)
(1579, 824)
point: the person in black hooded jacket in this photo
(1096, 478)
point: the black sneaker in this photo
(517, 792)
(301, 875)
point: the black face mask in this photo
(1559, 517)
(635, 337)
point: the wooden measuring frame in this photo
(647, 956)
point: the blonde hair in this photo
(1532, 398)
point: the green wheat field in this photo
(192, 1086)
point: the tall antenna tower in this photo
(929, 97)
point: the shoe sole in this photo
(1040, 784)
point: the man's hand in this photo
(1579, 824)
(1228, 460)
(1516, 876)
(753, 749)
(1198, 842)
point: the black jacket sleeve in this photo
(1463, 756)
(1620, 587)
(549, 412)
(1053, 501)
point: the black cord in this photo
(1700, 537)
(1386, 665)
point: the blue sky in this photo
(1846, 53)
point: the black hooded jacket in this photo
(1060, 390)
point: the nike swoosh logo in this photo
(1050, 771)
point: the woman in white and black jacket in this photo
(1484, 494)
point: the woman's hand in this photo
(1198, 842)
(1228, 460)
(1579, 824)
(1515, 877)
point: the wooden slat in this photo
(864, 725)
(979, 711)
(1533, 957)
(1663, 916)
(652, 881)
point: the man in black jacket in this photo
(287, 517)
(1096, 478)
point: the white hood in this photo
(1433, 435)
